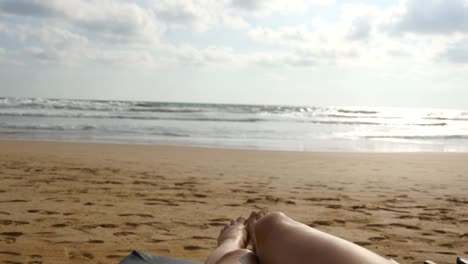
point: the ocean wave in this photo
(447, 118)
(358, 116)
(62, 104)
(344, 122)
(46, 127)
(164, 110)
(169, 134)
(427, 137)
(430, 124)
(142, 106)
(117, 116)
(337, 122)
(347, 111)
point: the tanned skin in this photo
(277, 239)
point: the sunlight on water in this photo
(302, 128)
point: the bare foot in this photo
(251, 221)
(234, 233)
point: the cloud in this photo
(41, 55)
(106, 20)
(187, 55)
(235, 22)
(198, 15)
(111, 31)
(456, 53)
(297, 35)
(271, 7)
(305, 47)
(360, 28)
(248, 4)
(34, 8)
(118, 21)
(430, 17)
(122, 58)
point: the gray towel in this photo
(137, 257)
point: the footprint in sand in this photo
(233, 205)
(446, 253)
(95, 241)
(193, 247)
(35, 259)
(11, 234)
(376, 239)
(155, 241)
(11, 222)
(15, 201)
(114, 256)
(406, 226)
(321, 223)
(202, 237)
(362, 243)
(12, 262)
(446, 245)
(10, 253)
(123, 234)
(140, 215)
(76, 254)
(43, 212)
(59, 225)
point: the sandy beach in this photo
(94, 203)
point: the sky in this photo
(410, 53)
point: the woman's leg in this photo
(232, 241)
(278, 239)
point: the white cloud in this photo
(106, 20)
(198, 15)
(122, 58)
(457, 52)
(360, 29)
(34, 8)
(187, 55)
(272, 7)
(77, 32)
(106, 31)
(306, 47)
(41, 55)
(118, 21)
(430, 17)
(297, 35)
(235, 22)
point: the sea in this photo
(265, 127)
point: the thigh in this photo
(282, 240)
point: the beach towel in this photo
(138, 257)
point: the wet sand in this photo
(94, 203)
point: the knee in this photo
(269, 223)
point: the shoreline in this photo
(93, 202)
(232, 148)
